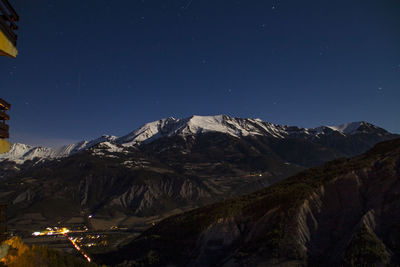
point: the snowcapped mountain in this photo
(354, 127)
(21, 152)
(192, 126)
(237, 127)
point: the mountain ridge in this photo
(344, 213)
(19, 153)
(191, 126)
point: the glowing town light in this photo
(36, 233)
(64, 230)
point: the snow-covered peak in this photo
(203, 124)
(351, 128)
(17, 151)
(149, 131)
(21, 152)
(194, 125)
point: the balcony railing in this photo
(4, 128)
(4, 134)
(4, 116)
(4, 105)
(8, 19)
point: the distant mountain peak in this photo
(192, 126)
(21, 152)
(196, 124)
(352, 127)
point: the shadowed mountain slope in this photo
(344, 213)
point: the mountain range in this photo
(165, 167)
(343, 213)
(192, 126)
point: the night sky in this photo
(87, 68)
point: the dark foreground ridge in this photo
(344, 213)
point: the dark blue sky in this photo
(91, 67)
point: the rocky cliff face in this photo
(345, 213)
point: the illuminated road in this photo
(77, 247)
